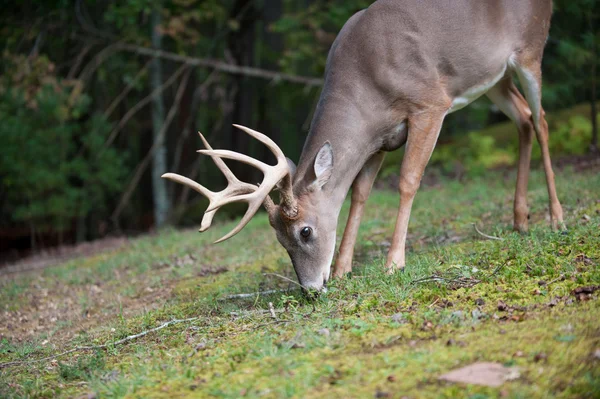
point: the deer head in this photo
(301, 221)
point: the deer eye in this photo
(306, 232)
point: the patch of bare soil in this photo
(63, 311)
(54, 256)
(60, 311)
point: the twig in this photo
(223, 66)
(141, 104)
(271, 323)
(126, 90)
(79, 60)
(251, 294)
(272, 310)
(559, 278)
(285, 278)
(485, 235)
(98, 60)
(103, 346)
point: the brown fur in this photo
(403, 63)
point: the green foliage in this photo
(54, 164)
(309, 32)
(479, 154)
(480, 151)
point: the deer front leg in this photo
(361, 188)
(423, 132)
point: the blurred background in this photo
(99, 98)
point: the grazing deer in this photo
(393, 73)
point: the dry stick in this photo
(103, 346)
(126, 90)
(98, 60)
(199, 92)
(222, 66)
(141, 104)
(485, 235)
(559, 278)
(157, 143)
(78, 61)
(284, 278)
(272, 310)
(251, 294)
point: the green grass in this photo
(370, 334)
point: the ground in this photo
(528, 302)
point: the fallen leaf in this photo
(381, 394)
(585, 293)
(482, 373)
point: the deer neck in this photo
(345, 127)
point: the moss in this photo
(346, 343)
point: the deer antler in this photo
(237, 190)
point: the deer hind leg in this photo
(531, 80)
(423, 132)
(361, 188)
(508, 99)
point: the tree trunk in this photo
(594, 143)
(268, 102)
(159, 160)
(241, 44)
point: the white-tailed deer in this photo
(394, 72)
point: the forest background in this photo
(99, 98)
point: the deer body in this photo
(393, 73)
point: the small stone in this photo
(476, 314)
(324, 331)
(457, 314)
(597, 354)
(382, 394)
(479, 302)
(450, 342)
(518, 354)
(399, 318)
(200, 346)
(542, 283)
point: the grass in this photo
(370, 335)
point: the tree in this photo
(162, 204)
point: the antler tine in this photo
(219, 162)
(250, 212)
(190, 183)
(236, 190)
(266, 141)
(236, 156)
(288, 202)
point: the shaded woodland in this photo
(100, 98)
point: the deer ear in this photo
(291, 166)
(323, 165)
